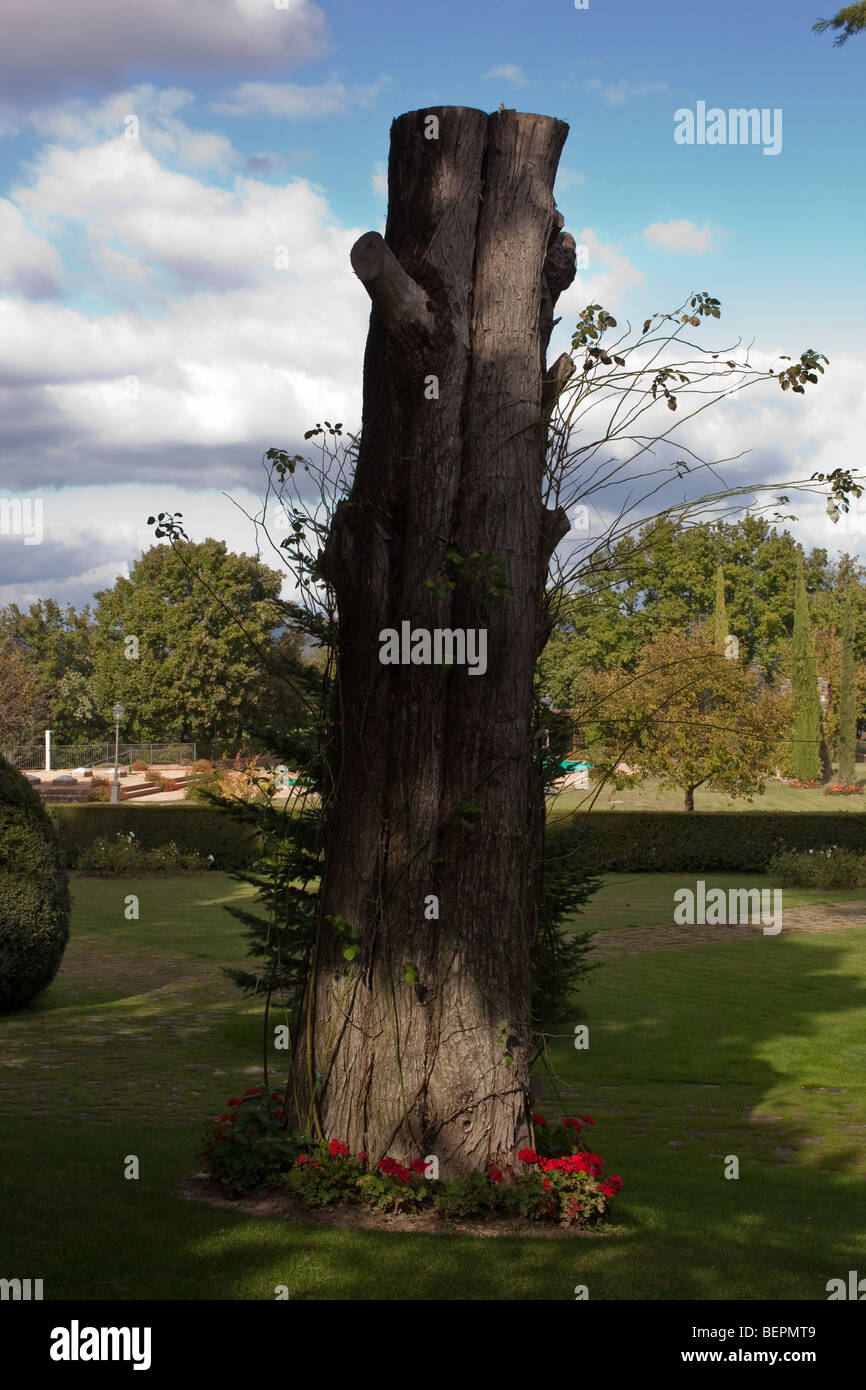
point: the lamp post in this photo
(118, 713)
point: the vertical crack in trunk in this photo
(428, 1046)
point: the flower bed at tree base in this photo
(560, 1183)
(272, 1201)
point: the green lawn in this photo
(647, 900)
(755, 1048)
(647, 797)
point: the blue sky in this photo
(150, 260)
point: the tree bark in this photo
(421, 1043)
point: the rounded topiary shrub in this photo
(34, 893)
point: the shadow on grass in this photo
(697, 1049)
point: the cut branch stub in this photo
(400, 303)
(555, 382)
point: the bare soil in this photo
(274, 1202)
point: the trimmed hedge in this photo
(34, 893)
(207, 829)
(698, 841)
(613, 842)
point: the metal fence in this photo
(30, 757)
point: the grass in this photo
(751, 1048)
(776, 796)
(647, 900)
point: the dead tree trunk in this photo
(420, 1043)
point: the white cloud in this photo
(29, 266)
(208, 352)
(616, 93)
(202, 236)
(128, 274)
(608, 278)
(762, 436)
(219, 371)
(144, 116)
(628, 496)
(94, 534)
(509, 72)
(380, 179)
(294, 101)
(99, 42)
(569, 178)
(816, 432)
(683, 237)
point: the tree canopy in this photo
(690, 717)
(55, 643)
(22, 697)
(666, 579)
(197, 613)
(196, 644)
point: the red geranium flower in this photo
(528, 1156)
(392, 1169)
(496, 1175)
(539, 1120)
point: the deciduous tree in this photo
(185, 644)
(689, 717)
(23, 703)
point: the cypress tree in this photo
(846, 738)
(722, 627)
(806, 760)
